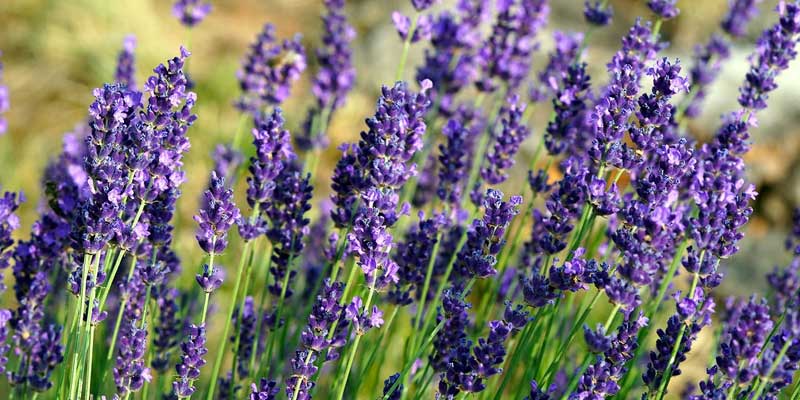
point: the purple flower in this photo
(422, 5)
(569, 105)
(126, 63)
(505, 57)
(216, 217)
(538, 394)
(740, 13)
(600, 378)
(460, 133)
(664, 9)
(288, 223)
(422, 28)
(413, 256)
(486, 236)
(265, 390)
(451, 62)
(4, 102)
(776, 48)
(567, 51)
(273, 154)
(596, 13)
(746, 328)
(247, 335)
(336, 74)
(314, 339)
(569, 276)
(596, 340)
(391, 389)
(226, 161)
(269, 70)
(167, 331)
(707, 60)
(191, 12)
(537, 291)
(131, 372)
(193, 350)
(506, 142)
(455, 313)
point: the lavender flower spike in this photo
(336, 74)
(507, 141)
(596, 13)
(126, 63)
(776, 48)
(269, 70)
(4, 102)
(740, 12)
(188, 369)
(216, 217)
(664, 9)
(191, 12)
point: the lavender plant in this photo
(596, 278)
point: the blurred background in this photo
(56, 52)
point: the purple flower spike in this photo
(422, 30)
(314, 339)
(506, 55)
(131, 372)
(273, 154)
(193, 350)
(422, 5)
(216, 217)
(776, 48)
(269, 70)
(191, 12)
(336, 74)
(4, 102)
(266, 390)
(664, 9)
(391, 389)
(597, 14)
(126, 63)
(486, 236)
(507, 141)
(740, 13)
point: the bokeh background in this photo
(56, 52)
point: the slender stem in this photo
(406, 46)
(426, 286)
(221, 350)
(678, 344)
(354, 348)
(76, 367)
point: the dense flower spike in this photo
(273, 154)
(776, 48)
(597, 12)
(664, 9)
(335, 77)
(126, 63)
(216, 217)
(567, 50)
(505, 57)
(317, 337)
(740, 12)
(451, 62)
(191, 12)
(269, 70)
(486, 236)
(193, 350)
(707, 61)
(506, 142)
(336, 74)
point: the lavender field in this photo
(407, 199)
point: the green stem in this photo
(676, 347)
(221, 350)
(354, 348)
(76, 366)
(406, 46)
